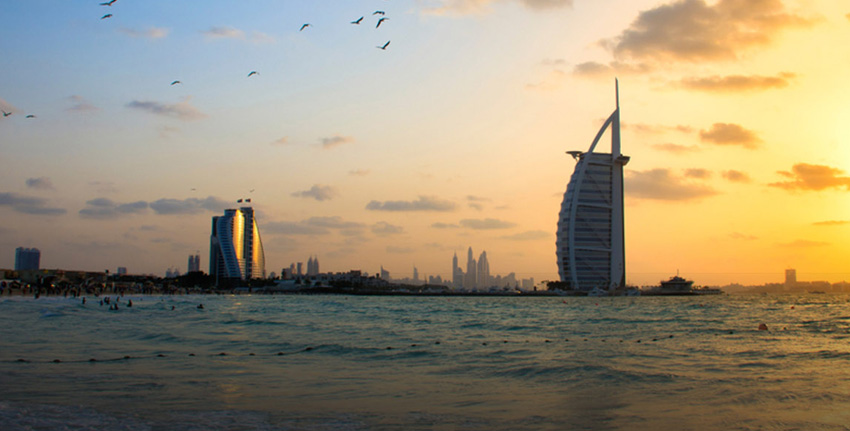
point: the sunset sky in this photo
(736, 115)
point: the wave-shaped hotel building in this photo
(591, 236)
(236, 251)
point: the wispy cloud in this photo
(441, 225)
(804, 176)
(594, 69)
(359, 172)
(224, 33)
(662, 184)
(282, 141)
(189, 206)
(698, 173)
(476, 202)
(464, 7)
(79, 104)
(28, 205)
(333, 222)
(742, 236)
(423, 203)
(394, 249)
(335, 141)
(730, 134)
(292, 228)
(318, 192)
(384, 229)
(529, 235)
(486, 224)
(315, 226)
(736, 176)
(182, 111)
(676, 148)
(41, 183)
(104, 186)
(832, 223)
(694, 31)
(654, 128)
(554, 80)
(149, 33)
(737, 83)
(804, 243)
(103, 208)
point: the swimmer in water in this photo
(200, 306)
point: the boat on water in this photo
(678, 286)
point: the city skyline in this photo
(146, 124)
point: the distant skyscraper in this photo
(483, 275)
(590, 246)
(471, 279)
(194, 264)
(457, 274)
(122, 270)
(236, 251)
(385, 275)
(790, 277)
(27, 258)
(313, 266)
(415, 274)
(300, 268)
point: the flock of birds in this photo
(379, 13)
(381, 19)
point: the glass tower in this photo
(236, 251)
(590, 243)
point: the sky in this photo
(735, 115)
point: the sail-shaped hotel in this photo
(590, 243)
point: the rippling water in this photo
(385, 363)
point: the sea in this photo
(337, 362)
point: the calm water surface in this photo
(386, 363)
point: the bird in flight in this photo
(253, 72)
(109, 15)
(357, 21)
(383, 47)
(379, 12)
(6, 114)
(30, 116)
(109, 3)
(305, 26)
(380, 21)
(176, 82)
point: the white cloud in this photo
(335, 141)
(182, 111)
(224, 33)
(318, 192)
(424, 203)
(149, 33)
(42, 183)
(661, 184)
(486, 224)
